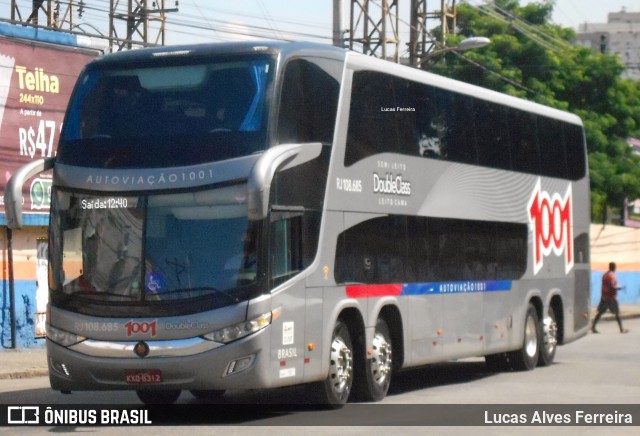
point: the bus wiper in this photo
(203, 289)
(95, 293)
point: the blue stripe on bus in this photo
(465, 287)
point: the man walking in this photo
(609, 299)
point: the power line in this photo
(94, 13)
(550, 42)
(495, 73)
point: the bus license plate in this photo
(144, 377)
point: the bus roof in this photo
(283, 48)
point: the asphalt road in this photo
(598, 369)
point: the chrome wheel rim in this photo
(381, 359)
(341, 368)
(550, 334)
(530, 337)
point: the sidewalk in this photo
(23, 363)
(627, 311)
(32, 362)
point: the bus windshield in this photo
(159, 114)
(147, 250)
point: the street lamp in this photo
(471, 43)
(464, 45)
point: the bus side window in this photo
(574, 144)
(405, 136)
(286, 248)
(431, 126)
(552, 147)
(524, 142)
(460, 144)
(309, 102)
(492, 132)
(373, 252)
(373, 124)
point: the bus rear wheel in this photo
(548, 345)
(158, 397)
(335, 389)
(526, 358)
(374, 378)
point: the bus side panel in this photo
(313, 338)
(581, 305)
(463, 324)
(288, 334)
(582, 215)
(424, 323)
(499, 308)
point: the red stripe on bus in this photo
(372, 291)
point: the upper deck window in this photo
(163, 114)
(309, 101)
(389, 114)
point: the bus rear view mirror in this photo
(13, 192)
(278, 158)
(279, 213)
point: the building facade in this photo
(620, 35)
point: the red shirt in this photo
(609, 286)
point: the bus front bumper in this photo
(238, 365)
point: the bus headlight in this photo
(63, 337)
(240, 330)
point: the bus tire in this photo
(374, 373)
(158, 397)
(526, 358)
(334, 391)
(549, 342)
(207, 395)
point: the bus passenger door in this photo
(286, 262)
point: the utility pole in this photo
(374, 27)
(448, 10)
(421, 42)
(139, 20)
(59, 14)
(338, 31)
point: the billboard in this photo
(36, 81)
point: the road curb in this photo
(36, 372)
(611, 317)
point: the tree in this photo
(531, 58)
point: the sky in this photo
(571, 13)
(311, 20)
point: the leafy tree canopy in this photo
(531, 58)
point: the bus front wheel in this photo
(335, 389)
(526, 358)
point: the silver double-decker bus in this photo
(260, 215)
